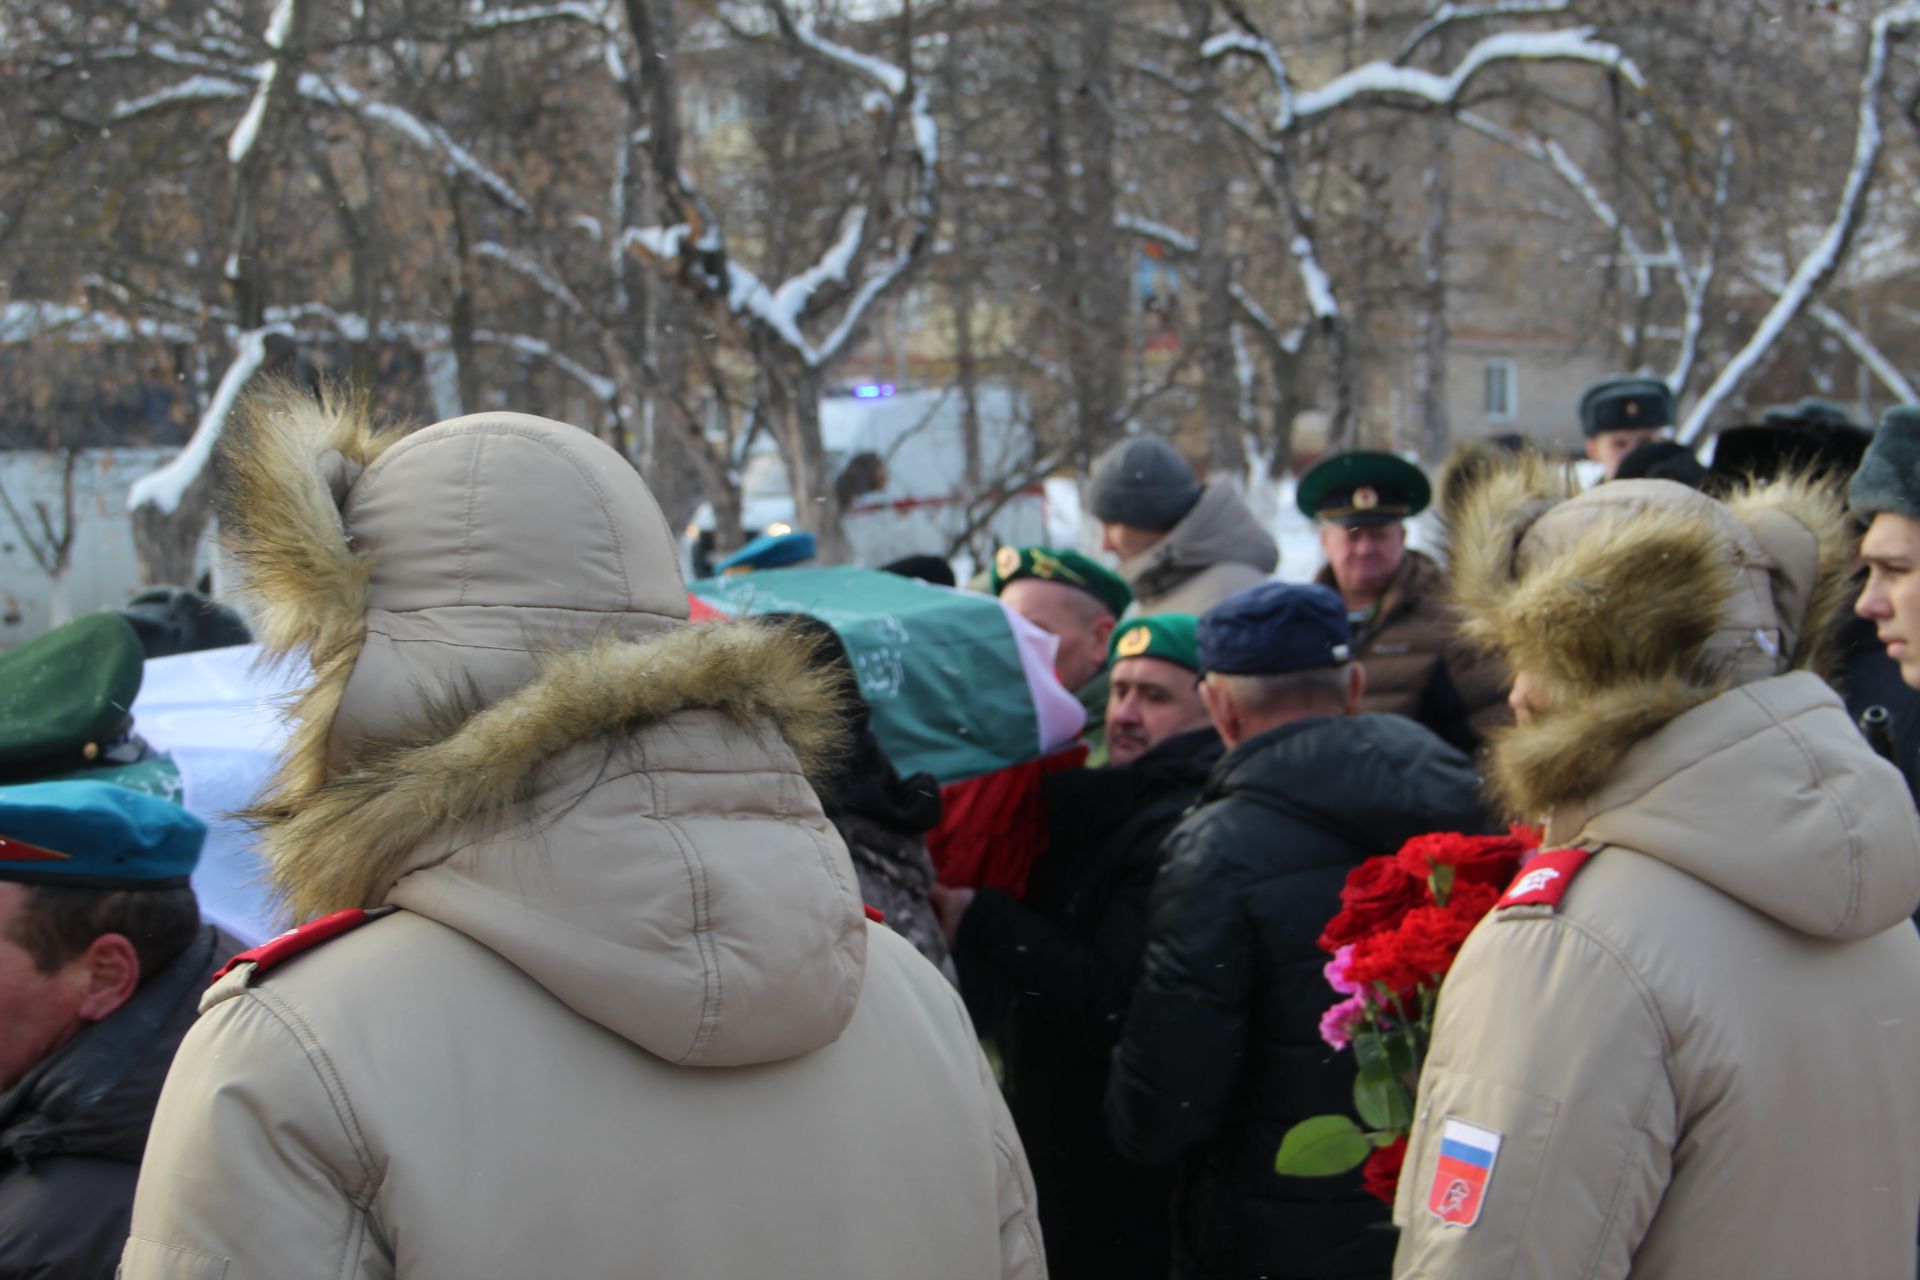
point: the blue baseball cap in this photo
(1274, 628)
(96, 835)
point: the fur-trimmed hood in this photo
(512, 730)
(1677, 644)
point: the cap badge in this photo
(1134, 643)
(1006, 561)
(1365, 498)
(1632, 409)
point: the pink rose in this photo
(1338, 1024)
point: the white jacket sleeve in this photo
(1550, 1058)
(1022, 1256)
(255, 1166)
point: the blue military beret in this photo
(1274, 628)
(95, 835)
(769, 551)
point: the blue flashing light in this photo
(873, 390)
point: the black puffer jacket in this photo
(1067, 956)
(1222, 1051)
(72, 1131)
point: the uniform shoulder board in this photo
(277, 951)
(1543, 881)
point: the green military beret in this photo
(1363, 487)
(1010, 564)
(66, 695)
(1625, 402)
(95, 835)
(1889, 476)
(1174, 637)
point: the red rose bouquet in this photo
(1401, 922)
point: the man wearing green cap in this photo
(102, 962)
(1396, 597)
(1078, 601)
(1620, 413)
(1067, 954)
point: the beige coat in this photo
(1703, 1063)
(629, 1018)
(1216, 549)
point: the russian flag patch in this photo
(1460, 1176)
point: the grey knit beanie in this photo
(1142, 482)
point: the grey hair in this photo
(1308, 690)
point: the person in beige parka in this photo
(1694, 1054)
(617, 1010)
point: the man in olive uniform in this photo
(1395, 598)
(1076, 600)
(1622, 412)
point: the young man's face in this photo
(1148, 701)
(1127, 541)
(1891, 599)
(1610, 447)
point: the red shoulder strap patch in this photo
(876, 915)
(304, 937)
(1544, 880)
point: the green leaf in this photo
(1321, 1147)
(1382, 1103)
(1440, 881)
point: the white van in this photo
(923, 504)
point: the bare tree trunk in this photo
(1430, 369)
(166, 544)
(1213, 264)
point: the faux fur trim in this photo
(282, 468)
(1615, 627)
(1818, 505)
(341, 841)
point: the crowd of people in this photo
(623, 949)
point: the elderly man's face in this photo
(1891, 599)
(39, 1012)
(1149, 701)
(1363, 558)
(1078, 621)
(1610, 448)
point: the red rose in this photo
(1478, 859)
(1377, 894)
(1421, 948)
(1380, 1175)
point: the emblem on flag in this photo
(1460, 1175)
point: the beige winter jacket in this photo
(1703, 1063)
(629, 1018)
(1215, 550)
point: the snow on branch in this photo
(429, 137)
(32, 321)
(1576, 44)
(873, 287)
(791, 297)
(165, 488)
(1313, 276)
(1824, 258)
(192, 90)
(1449, 13)
(247, 132)
(1863, 349)
(523, 264)
(1289, 342)
(926, 133)
(1159, 232)
(498, 19)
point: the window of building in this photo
(1499, 381)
